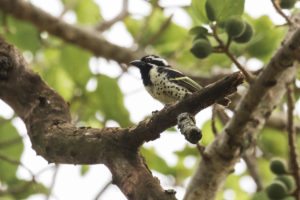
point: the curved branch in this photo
(49, 127)
(84, 38)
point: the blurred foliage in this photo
(11, 149)
(65, 68)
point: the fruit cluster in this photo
(237, 30)
(283, 185)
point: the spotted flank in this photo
(163, 89)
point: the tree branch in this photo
(84, 38)
(249, 156)
(256, 105)
(294, 158)
(48, 122)
(280, 12)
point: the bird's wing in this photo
(180, 79)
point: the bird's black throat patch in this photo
(145, 74)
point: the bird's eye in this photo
(148, 59)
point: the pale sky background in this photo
(70, 184)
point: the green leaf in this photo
(262, 195)
(109, 99)
(199, 11)
(75, 61)
(23, 189)
(84, 169)
(225, 9)
(155, 162)
(55, 75)
(87, 12)
(265, 40)
(13, 151)
(274, 142)
(207, 133)
(222, 10)
(167, 42)
(179, 171)
(187, 151)
(264, 168)
(22, 34)
(196, 30)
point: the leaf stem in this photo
(280, 12)
(225, 48)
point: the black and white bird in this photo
(163, 82)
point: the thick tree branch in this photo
(84, 38)
(249, 155)
(250, 115)
(150, 129)
(49, 127)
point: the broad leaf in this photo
(269, 137)
(87, 12)
(221, 10)
(225, 9)
(75, 61)
(12, 152)
(84, 169)
(266, 38)
(110, 101)
(22, 34)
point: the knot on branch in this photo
(187, 126)
(6, 65)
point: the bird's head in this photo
(149, 61)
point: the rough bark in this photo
(250, 115)
(48, 122)
(83, 37)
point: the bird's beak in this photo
(138, 63)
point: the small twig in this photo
(11, 142)
(280, 12)
(107, 24)
(49, 193)
(143, 29)
(187, 125)
(103, 190)
(248, 76)
(213, 120)
(251, 162)
(294, 160)
(67, 7)
(161, 30)
(201, 150)
(16, 162)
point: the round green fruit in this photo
(200, 36)
(235, 27)
(287, 4)
(246, 36)
(278, 166)
(277, 190)
(288, 180)
(201, 48)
